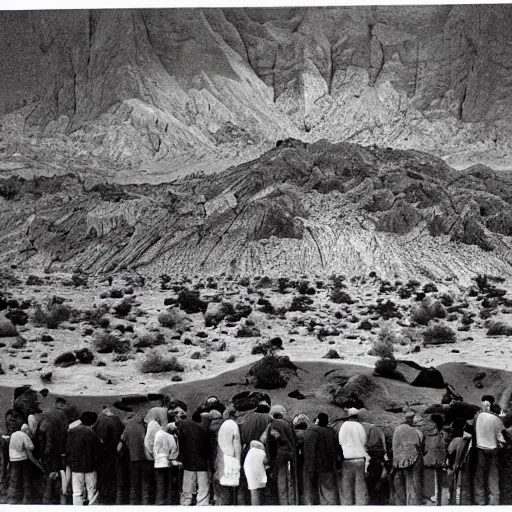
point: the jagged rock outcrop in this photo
(299, 208)
(147, 86)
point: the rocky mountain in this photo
(300, 208)
(199, 89)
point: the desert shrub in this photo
(429, 288)
(386, 367)
(303, 287)
(96, 316)
(427, 310)
(172, 318)
(106, 343)
(337, 281)
(17, 316)
(241, 311)
(217, 312)
(446, 300)
(482, 281)
(270, 372)
(499, 329)
(123, 308)
(267, 306)
(79, 280)
(53, 317)
(230, 359)
(248, 331)
(365, 325)
(245, 281)
(300, 303)
(339, 296)
(282, 284)
(268, 347)
(386, 310)
(103, 322)
(438, 334)
(404, 293)
(264, 282)
(34, 281)
(84, 355)
(190, 301)
(383, 345)
(386, 287)
(116, 293)
(155, 362)
(150, 340)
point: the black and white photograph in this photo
(256, 255)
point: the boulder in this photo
(7, 328)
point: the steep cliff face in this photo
(300, 208)
(139, 86)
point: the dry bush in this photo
(51, 318)
(155, 362)
(499, 329)
(106, 343)
(439, 334)
(150, 340)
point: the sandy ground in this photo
(25, 365)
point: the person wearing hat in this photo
(83, 451)
(376, 449)
(322, 456)
(352, 439)
(489, 438)
(407, 462)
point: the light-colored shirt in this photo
(488, 431)
(165, 449)
(352, 439)
(19, 445)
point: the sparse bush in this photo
(438, 334)
(300, 303)
(499, 329)
(103, 322)
(190, 302)
(383, 345)
(446, 300)
(116, 293)
(303, 287)
(241, 311)
(150, 340)
(106, 343)
(386, 310)
(53, 317)
(266, 306)
(79, 280)
(430, 288)
(366, 325)
(155, 362)
(84, 355)
(339, 296)
(34, 281)
(427, 310)
(17, 316)
(123, 308)
(282, 284)
(337, 281)
(230, 359)
(217, 312)
(245, 281)
(270, 372)
(386, 367)
(172, 319)
(264, 282)
(248, 331)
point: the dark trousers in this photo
(53, 491)
(107, 479)
(19, 482)
(377, 492)
(354, 490)
(285, 484)
(141, 479)
(320, 488)
(163, 478)
(486, 482)
(408, 484)
(123, 482)
(223, 495)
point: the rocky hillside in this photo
(168, 89)
(300, 208)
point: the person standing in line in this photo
(133, 439)
(352, 439)
(322, 456)
(408, 462)
(194, 455)
(83, 451)
(109, 428)
(377, 450)
(20, 460)
(254, 469)
(489, 438)
(227, 467)
(165, 453)
(434, 458)
(300, 423)
(282, 458)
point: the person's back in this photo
(19, 444)
(407, 442)
(320, 449)
(489, 429)
(252, 425)
(52, 435)
(159, 414)
(194, 446)
(83, 449)
(352, 439)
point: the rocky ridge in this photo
(300, 208)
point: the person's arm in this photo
(28, 446)
(237, 445)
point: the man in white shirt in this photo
(352, 439)
(489, 437)
(20, 446)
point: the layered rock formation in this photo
(147, 87)
(301, 208)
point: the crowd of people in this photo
(219, 455)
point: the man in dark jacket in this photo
(83, 450)
(109, 428)
(321, 456)
(51, 436)
(194, 455)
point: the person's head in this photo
(352, 414)
(60, 403)
(488, 398)
(165, 401)
(178, 409)
(278, 412)
(437, 420)
(409, 417)
(44, 392)
(230, 413)
(486, 406)
(24, 428)
(322, 420)
(263, 407)
(495, 408)
(88, 418)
